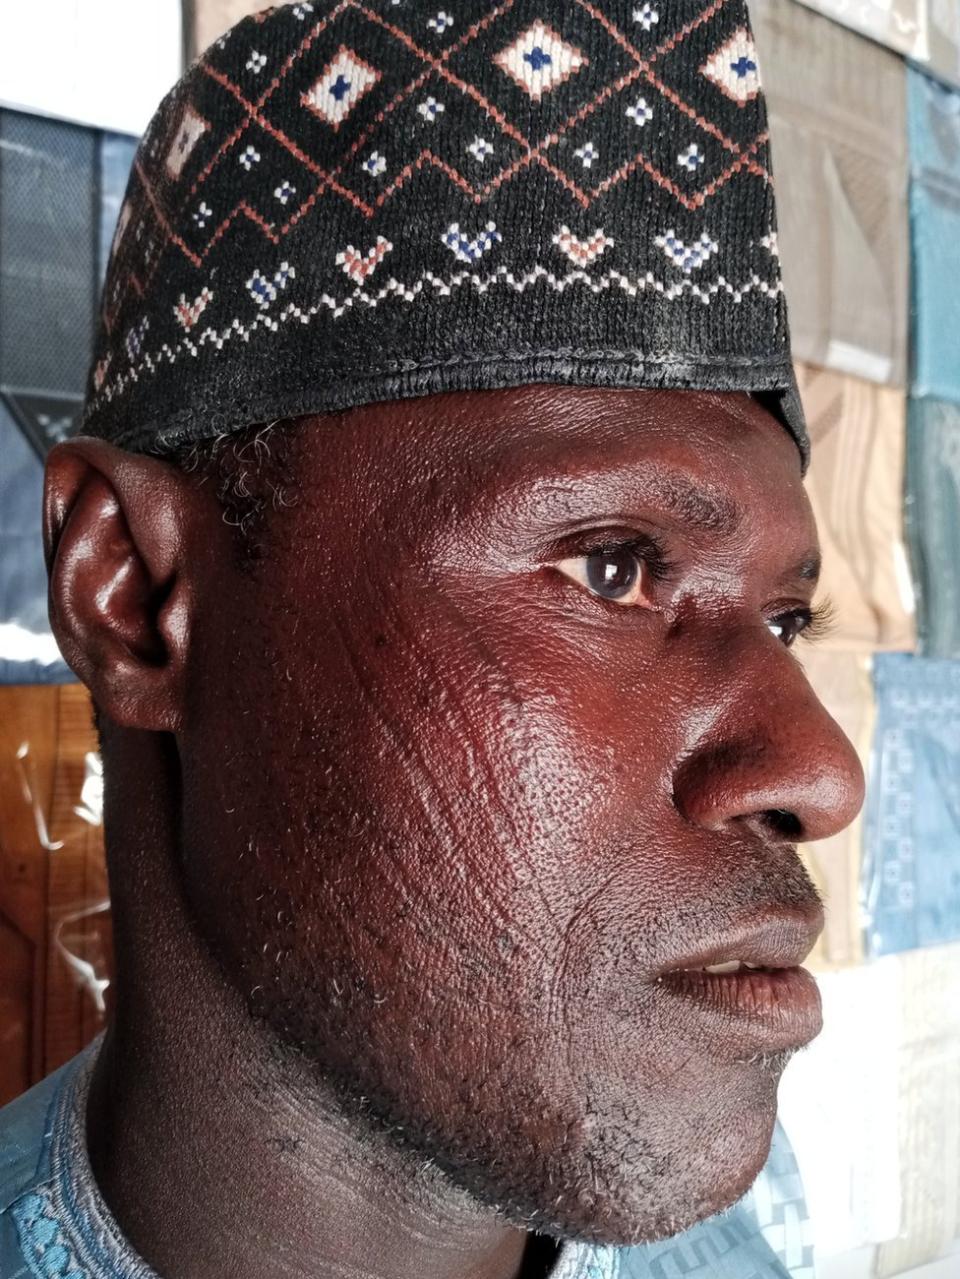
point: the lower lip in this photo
(770, 1009)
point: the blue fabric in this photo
(932, 514)
(25, 1138)
(28, 654)
(54, 1225)
(933, 114)
(911, 865)
(51, 359)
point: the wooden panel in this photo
(28, 720)
(55, 953)
(16, 1009)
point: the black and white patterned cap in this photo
(365, 200)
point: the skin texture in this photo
(404, 823)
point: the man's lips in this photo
(760, 997)
(775, 939)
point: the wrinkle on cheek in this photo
(437, 787)
(492, 787)
(583, 939)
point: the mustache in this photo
(707, 890)
(749, 875)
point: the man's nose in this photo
(776, 762)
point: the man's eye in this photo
(788, 626)
(615, 575)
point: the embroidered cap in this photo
(345, 202)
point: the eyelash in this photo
(643, 547)
(817, 622)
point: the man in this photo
(434, 554)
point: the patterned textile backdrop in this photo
(934, 132)
(933, 521)
(61, 186)
(912, 870)
(838, 131)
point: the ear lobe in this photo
(120, 606)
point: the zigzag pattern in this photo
(633, 286)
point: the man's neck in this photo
(218, 1155)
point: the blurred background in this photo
(864, 98)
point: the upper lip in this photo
(779, 939)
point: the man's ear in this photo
(121, 604)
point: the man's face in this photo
(501, 732)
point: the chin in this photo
(623, 1192)
(616, 1216)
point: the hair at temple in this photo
(252, 474)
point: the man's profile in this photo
(434, 552)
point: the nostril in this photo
(782, 823)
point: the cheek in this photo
(480, 798)
(413, 815)
(398, 794)
(437, 861)
(439, 796)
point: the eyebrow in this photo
(808, 570)
(695, 505)
(690, 502)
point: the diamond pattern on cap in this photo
(539, 60)
(530, 148)
(341, 86)
(191, 129)
(734, 69)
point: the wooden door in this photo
(55, 947)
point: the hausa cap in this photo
(365, 200)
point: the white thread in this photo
(443, 287)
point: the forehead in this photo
(717, 456)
